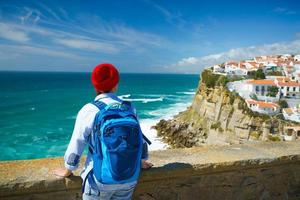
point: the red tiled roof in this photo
(290, 83)
(263, 104)
(283, 78)
(232, 63)
(262, 82)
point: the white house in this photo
(291, 114)
(297, 76)
(266, 59)
(232, 68)
(218, 69)
(288, 88)
(285, 57)
(297, 58)
(268, 108)
(290, 133)
(249, 65)
(260, 87)
(289, 70)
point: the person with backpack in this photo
(117, 148)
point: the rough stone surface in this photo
(269, 170)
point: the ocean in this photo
(38, 109)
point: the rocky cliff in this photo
(218, 116)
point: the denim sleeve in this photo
(79, 139)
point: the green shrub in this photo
(216, 125)
(272, 91)
(255, 134)
(283, 104)
(275, 73)
(274, 138)
(209, 79)
(232, 97)
(220, 129)
(222, 81)
(253, 96)
(231, 111)
(259, 74)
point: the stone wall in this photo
(268, 170)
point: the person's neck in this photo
(98, 93)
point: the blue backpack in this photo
(117, 144)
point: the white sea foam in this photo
(144, 100)
(187, 93)
(151, 134)
(124, 96)
(163, 113)
(158, 95)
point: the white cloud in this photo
(172, 18)
(188, 61)
(121, 34)
(11, 33)
(49, 11)
(195, 65)
(88, 45)
(24, 50)
(282, 10)
(95, 34)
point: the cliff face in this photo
(218, 116)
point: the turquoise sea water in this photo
(38, 109)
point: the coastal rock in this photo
(218, 117)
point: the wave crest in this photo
(144, 100)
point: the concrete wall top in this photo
(34, 176)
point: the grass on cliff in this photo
(255, 135)
(211, 80)
(217, 126)
(274, 138)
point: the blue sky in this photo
(144, 36)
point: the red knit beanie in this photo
(105, 77)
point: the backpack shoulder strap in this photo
(128, 103)
(99, 104)
(146, 139)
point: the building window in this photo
(288, 89)
(282, 88)
(257, 88)
(294, 89)
(294, 95)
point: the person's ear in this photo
(115, 88)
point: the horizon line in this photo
(35, 71)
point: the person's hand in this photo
(62, 172)
(146, 164)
